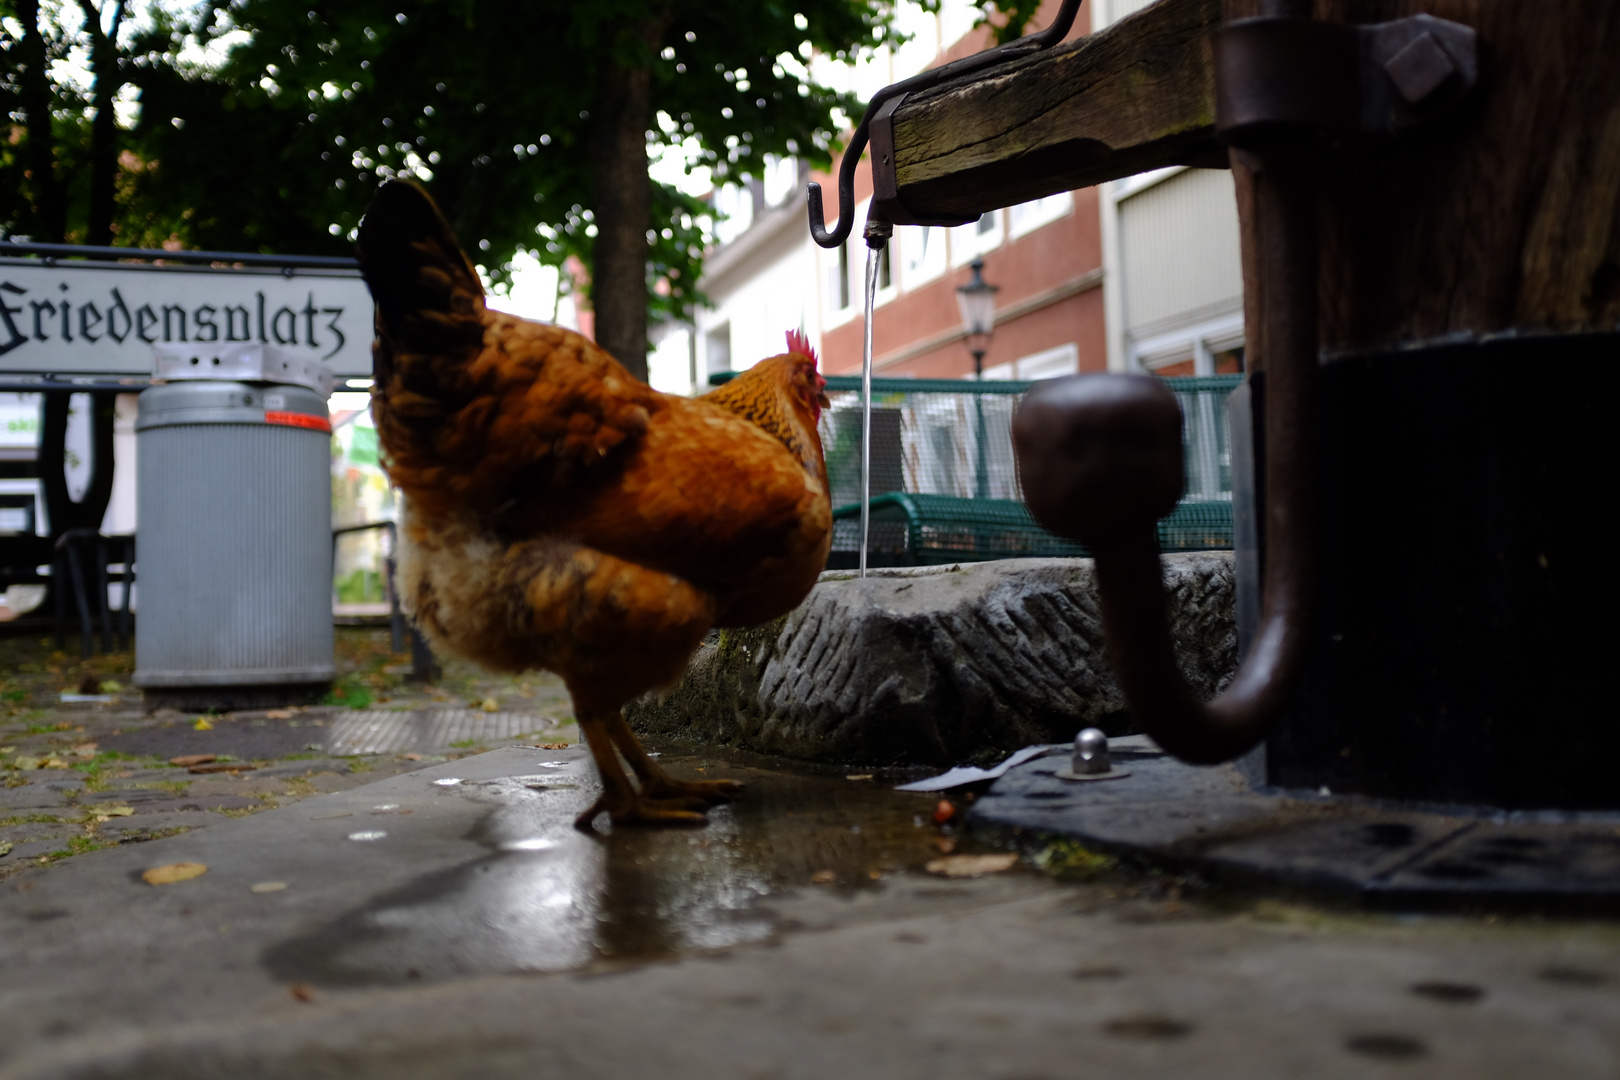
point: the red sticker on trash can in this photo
(298, 419)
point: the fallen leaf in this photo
(551, 746)
(279, 714)
(22, 761)
(53, 763)
(269, 886)
(411, 757)
(203, 724)
(970, 866)
(222, 767)
(302, 992)
(187, 760)
(6, 749)
(824, 877)
(490, 705)
(943, 812)
(102, 813)
(860, 776)
(85, 749)
(173, 872)
(5, 848)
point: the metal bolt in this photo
(1419, 69)
(1090, 753)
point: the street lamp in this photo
(977, 300)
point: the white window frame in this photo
(1026, 217)
(780, 179)
(1038, 365)
(738, 219)
(828, 274)
(1198, 343)
(968, 243)
(936, 258)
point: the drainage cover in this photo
(375, 731)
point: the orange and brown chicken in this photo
(560, 514)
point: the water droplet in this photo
(530, 843)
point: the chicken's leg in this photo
(624, 804)
(655, 782)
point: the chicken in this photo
(559, 514)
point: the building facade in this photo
(1141, 274)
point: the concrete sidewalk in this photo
(414, 927)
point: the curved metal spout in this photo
(1024, 46)
(1100, 459)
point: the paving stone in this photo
(484, 936)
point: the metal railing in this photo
(946, 444)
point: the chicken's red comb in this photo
(797, 342)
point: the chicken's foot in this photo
(623, 803)
(655, 782)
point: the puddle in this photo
(550, 898)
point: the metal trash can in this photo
(235, 509)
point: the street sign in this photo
(103, 318)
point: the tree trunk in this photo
(50, 208)
(109, 79)
(621, 202)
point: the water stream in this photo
(873, 255)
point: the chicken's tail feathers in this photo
(430, 303)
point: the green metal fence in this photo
(945, 483)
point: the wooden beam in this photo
(1137, 96)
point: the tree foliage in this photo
(489, 101)
(266, 125)
(59, 159)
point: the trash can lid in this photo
(233, 403)
(245, 361)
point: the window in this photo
(836, 289)
(717, 348)
(922, 254)
(1047, 364)
(1050, 363)
(1027, 217)
(970, 241)
(844, 272)
(734, 206)
(781, 179)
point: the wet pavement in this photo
(450, 920)
(428, 913)
(77, 776)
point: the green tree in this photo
(59, 167)
(529, 120)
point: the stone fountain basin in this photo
(937, 665)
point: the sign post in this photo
(86, 320)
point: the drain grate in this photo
(375, 731)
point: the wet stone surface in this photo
(76, 776)
(1214, 822)
(451, 921)
(546, 896)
